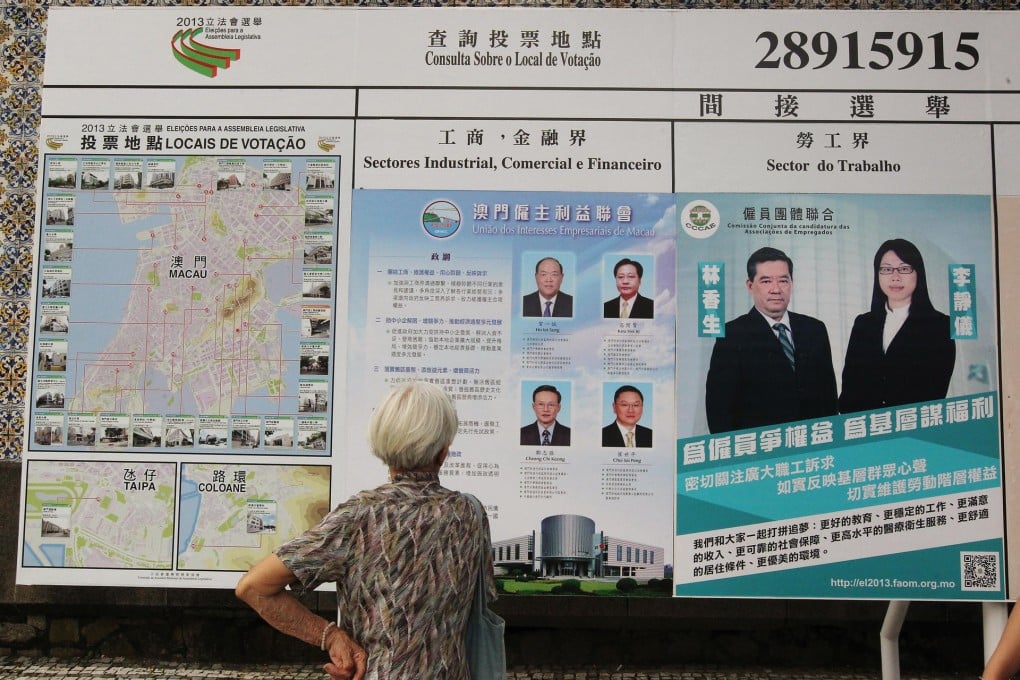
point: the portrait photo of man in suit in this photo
(548, 300)
(629, 304)
(624, 432)
(773, 365)
(546, 401)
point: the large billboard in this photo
(732, 322)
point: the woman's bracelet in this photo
(325, 631)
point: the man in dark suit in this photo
(548, 300)
(546, 430)
(628, 275)
(624, 432)
(773, 365)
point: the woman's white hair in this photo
(412, 424)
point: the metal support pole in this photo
(993, 620)
(890, 638)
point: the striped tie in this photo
(785, 342)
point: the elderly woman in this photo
(899, 352)
(405, 557)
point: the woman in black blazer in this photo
(901, 351)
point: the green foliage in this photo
(626, 585)
(571, 586)
(596, 588)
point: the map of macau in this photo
(177, 288)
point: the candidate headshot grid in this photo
(22, 49)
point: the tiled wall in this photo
(22, 47)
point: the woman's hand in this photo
(347, 657)
(264, 588)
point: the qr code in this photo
(979, 571)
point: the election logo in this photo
(56, 142)
(700, 219)
(200, 57)
(327, 144)
(441, 219)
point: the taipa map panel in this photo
(99, 515)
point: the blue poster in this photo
(838, 424)
(549, 318)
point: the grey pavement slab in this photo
(14, 668)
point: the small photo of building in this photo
(228, 181)
(128, 180)
(48, 435)
(53, 323)
(316, 289)
(213, 437)
(318, 254)
(144, 437)
(162, 179)
(315, 365)
(59, 216)
(95, 180)
(278, 182)
(114, 436)
(53, 360)
(318, 180)
(244, 438)
(572, 546)
(56, 288)
(58, 252)
(81, 436)
(279, 439)
(62, 180)
(177, 436)
(50, 399)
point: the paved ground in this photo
(64, 669)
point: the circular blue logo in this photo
(441, 219)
